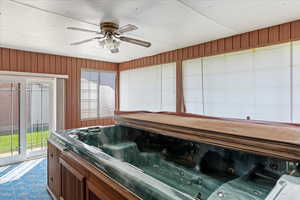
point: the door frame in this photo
(52, 106)
(23, 81)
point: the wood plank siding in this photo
(24, 61)
(254, 39)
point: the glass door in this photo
(26, 117)
(9, 120)
(38, 116)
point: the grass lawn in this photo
(33, 140)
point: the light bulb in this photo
(109, 43)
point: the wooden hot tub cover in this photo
(281, 140)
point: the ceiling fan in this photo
(110, 36)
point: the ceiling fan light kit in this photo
(111, 36)
(110, 44)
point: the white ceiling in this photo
(40, 25)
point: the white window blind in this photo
(168, 87)
(273, 83)
(254, 83)
(149, 88)
(228, 87)
(296, 82)
(192, 85)
(97, 92)
(214, 86)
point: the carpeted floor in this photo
(24, 181)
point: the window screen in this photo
(97, 94)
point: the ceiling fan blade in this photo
(135, 41)
(116, 50)
(127, 28)
(83, 30)
(84, 41)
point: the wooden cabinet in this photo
(92, 196)
(97, 190)
(72, 182)
(70, 177)
(53, 170)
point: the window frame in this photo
(99, 71)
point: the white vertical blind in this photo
(148, 88)
(192, 85)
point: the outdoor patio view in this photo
(9, 119)
(37, 105)
(37, 111)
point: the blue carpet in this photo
(24, 181)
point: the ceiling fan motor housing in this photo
(109, 27)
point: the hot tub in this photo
(159, 167)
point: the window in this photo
(97, 94)
(27, 116)
(272, 66)
(192, 86)
(149, 88)
(254, 83)
(228, 85)
(296, 82)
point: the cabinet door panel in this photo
(53, 169)
(97, 190)
(72, 182)
(92, 196)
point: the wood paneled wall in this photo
(258, 38)
(24, 61)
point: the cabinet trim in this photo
(87, 173)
